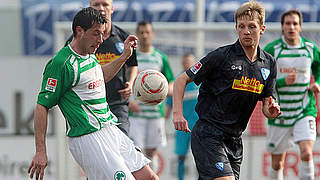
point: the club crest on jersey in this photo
(196, 67)
(265, 73)
(51, 85)
(120, 46)
(220, 166)
(119, 175)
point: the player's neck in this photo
(292, 42)
(145, 48)
(251, 53)
(76, 48)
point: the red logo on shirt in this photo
(196, 67)
(95, 84)
(52, 82)
(51, 85)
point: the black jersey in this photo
(231, 85)
(109, 50)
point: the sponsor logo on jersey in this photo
(265, 73)
(247, 84)
(105, 58)
(196, 67)
(220, 166)
(119, 46)
(95, 84)
(119, 175)
(51, 84)
(288, 70)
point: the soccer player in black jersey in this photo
(233, 78)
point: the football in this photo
(150, 87)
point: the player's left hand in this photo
(129, 45)
(180, 123)
(126, 92)
(273, 108)
(314, 87)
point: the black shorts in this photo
(216, 154)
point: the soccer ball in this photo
(150, 87)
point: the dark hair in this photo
(291, 12)
(143, 23)
(86, 18)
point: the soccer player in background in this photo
(189, 103)
(297, 59)
(74, 80)
(233, 79)
(119, 88)
(147, 121)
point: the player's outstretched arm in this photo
(270, 108)
(179, 86)
(111, 69)
(40, 160)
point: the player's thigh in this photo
(279, 139)
(137, 132)
(209, 152)
(99, 156)
(305, 129)
(134, 159)
(155, 133)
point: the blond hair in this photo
(251, 9)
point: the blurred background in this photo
(31, 31)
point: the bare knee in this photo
(306, 154)
(278, 161)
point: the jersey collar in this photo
(284, 44)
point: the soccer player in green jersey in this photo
(297, 59)
(74, 80)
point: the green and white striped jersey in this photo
(295, 101)
(75, 83)
(155, 60)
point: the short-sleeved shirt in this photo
(231, 85)
(75, 83)
(158, 61)
(108, 51)
(296, 101)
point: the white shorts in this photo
(106, 154)
(148, 133)
(280, 139)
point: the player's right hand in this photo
(180, 123)
(38, 164)
(291, 78)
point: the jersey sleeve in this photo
(132, 61)
(57, 78)
(269, 49)
(206, 66)
(315, 66)
(166, 69)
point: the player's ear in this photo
(263, 29)
(79, 30)
(112, 9)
